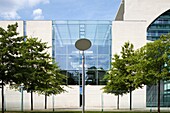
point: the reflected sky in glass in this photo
(66, 33)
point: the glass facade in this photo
(159, 27)
(97, 58)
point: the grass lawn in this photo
(85, 112)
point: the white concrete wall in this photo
(68, 99)
(41, 30)
(132, 31)
(94, 97)
(20, 29)
(147, 10)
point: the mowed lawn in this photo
(85, 112)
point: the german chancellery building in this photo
(137, 21)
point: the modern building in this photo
(137, 21)
(140, 22)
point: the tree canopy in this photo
(121, 77)
(9, 53)
(147, 65)
(10, 45)
(155, 63)
(26, 61)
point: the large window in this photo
(157, 28)
(97, 58)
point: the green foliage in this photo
(115, 84)
(121, 78)
(37, 72)
(53, 81)
(25, 60)
(10, 45)
(153, 61)
(145, 66)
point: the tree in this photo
(32, 62)
(25, 60)
(9, 55)
(115, 85)
(155, 62)
(121, 78)
(37, 73)
(53, 81)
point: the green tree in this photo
(34, 58)
(26, 61)
(37, 73)
(121, 78)
(9, 55)
(52, 83)
(154, 63)
(115, 85)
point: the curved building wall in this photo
(146, 10)
(160, 26)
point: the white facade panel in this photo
(20, 28)
(68, 99)
(147, 10)
(41, 30)
(139, 98)
(94, 99)
(124, 31)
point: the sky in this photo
(58, 9)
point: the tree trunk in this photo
(117, 101)
(45, 101)
(31, 100)
(130, 98)
(158, 96)
(2, 97)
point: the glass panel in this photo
(60, 50)
(101, 74)
(74, 62)
(91, 76)
(72, 49)
(93, 49)
(64, 72)
(159, 27)
(104, 49)
(61, 60)
(73, 77)
(90, 61)
(74, 31)
(66, 33)
(104, 62)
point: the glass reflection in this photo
(157, 28)
(66, 33)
